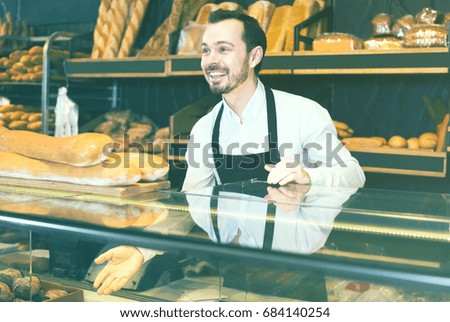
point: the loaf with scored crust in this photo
(276, 33)
(79, 150)
(262, 11)
(139, 7)
(99, 31)
(120, 9)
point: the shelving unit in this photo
(359, 62)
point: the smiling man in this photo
(257, 132)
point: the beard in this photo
(234, 81)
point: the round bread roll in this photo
(429, 135)
(5, 293)
(14, 273)
(413, 143)
(7, 279)
(426, 143)
(22, 287)
(397, 142)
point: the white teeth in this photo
(216, 74)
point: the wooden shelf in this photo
(116, 68)
(400, 61)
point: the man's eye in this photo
(205, 50)
(223, 49)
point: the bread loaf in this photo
(203, 14)
(336, 42)
(362, 142)
(276, 33)
(262, 11)
(190, 41)
(428, 140)
(152, 167)
(182, 12)
(397, 141)
(413, 143)
(301, 10)
(229, 5)
(100, 32)
(120, 9)
(139, 7)
(18, 166)
(78, 150)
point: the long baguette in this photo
(13, 165)
(120, 10)
(132, 30)
(99, 31)
(79, 150)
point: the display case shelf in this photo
(115, 68)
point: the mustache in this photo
(211, 68)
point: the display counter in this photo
(245, 241)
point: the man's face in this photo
(225, 61)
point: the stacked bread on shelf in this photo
(117, 27)
(190, 40)
(22, 65)
(183, 11)
(79, 159)
(21, 117)
(426, 141)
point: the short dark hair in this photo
(252, 36)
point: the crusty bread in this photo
(276, 33)
(79, 150)
(203, 14)
(262, 11)
(152, 167)
(182, 12)
(120, 10)
(134, 24)
(301, 10)
(228, 5)
(99, 36)
(13, 165)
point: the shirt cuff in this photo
(148, 254)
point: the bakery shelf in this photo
(399, 61)
(401, 161)
(115, 68)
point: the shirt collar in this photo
(254, 106)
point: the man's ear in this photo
(256, 56)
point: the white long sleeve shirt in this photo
(302, 126)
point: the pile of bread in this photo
(117, 27)
(86, 159)
(22, 65)
(277, 22)
(129, 130)
(15, 287)
(427, 140)
(21, 117)
(428, 28)
(15, 30)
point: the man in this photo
(256, 132)
(266, 125)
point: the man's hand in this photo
(123, 263)
(288, 197)
(287, 171)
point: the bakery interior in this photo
(130, 69)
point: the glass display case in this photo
(245, 241)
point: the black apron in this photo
(232, 168)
